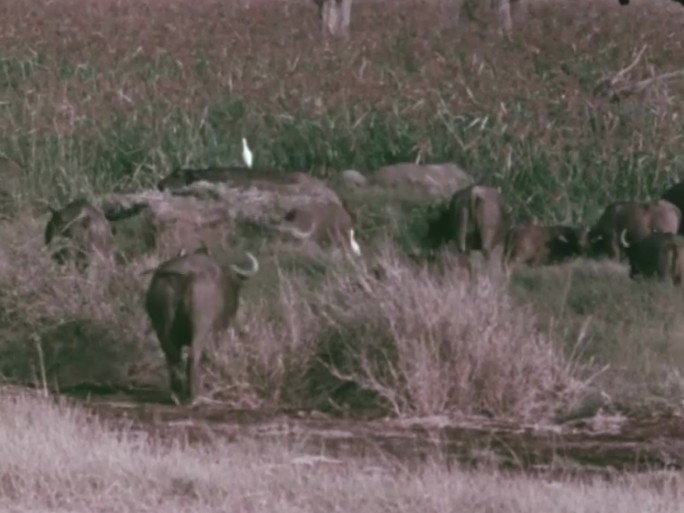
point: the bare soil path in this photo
(603, 444)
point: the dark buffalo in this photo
(190, 299)
(236, 175)
(472, 220)
(533, 244)
(323, 222)
(626, 2)
(85, 231)
(186, 176)
(675, 195)
(638, 218)
(656, 255)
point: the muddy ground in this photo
(602, 444)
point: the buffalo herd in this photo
(647, 234)
(191, 297)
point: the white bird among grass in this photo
(246, 153)
(354, 245)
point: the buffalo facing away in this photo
(656, 255)
(675, 195)
(626, 2)
(191, 298)
(324, 222)
(533, 244)
(85, 231)
(639, 219)
(472, 220)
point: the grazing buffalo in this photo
(185, 176)
(675, 195)
(626, 2)
(473, 219)
(533, 244)
(236, 176)
(190, 299)
(656, 255)
(324, 222)
(638, 218)
(86, 232)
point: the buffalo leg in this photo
(193, 372)
(174, 362)
(487, 244)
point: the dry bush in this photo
(393, 337)
(264, 359)
(63, 326)
(427, 344)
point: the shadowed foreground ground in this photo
(603, 443)
(65, 460)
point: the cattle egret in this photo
(354, 245)
(246, 153)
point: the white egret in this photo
(354, 245)
(246, 153)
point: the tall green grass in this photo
(85, 116)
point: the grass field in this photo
(101, 96)
(57, 459)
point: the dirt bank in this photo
(602, 443)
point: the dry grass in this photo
(411, 343)
(429, 343)
(53, 458)
(415, 342)
(88, 329)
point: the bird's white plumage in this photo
(246, 153)
(354, 245)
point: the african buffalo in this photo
(236, 176)
(638, 218)
(190, 299)
(657, 254)
(542, 245)
(185, 176)
(675, 195)
(626, 2)
(328, 222)
(473, 219)
(85, 230)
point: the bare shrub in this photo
(263, 361)
(395, 336)
(60, 326)
(428, 345)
